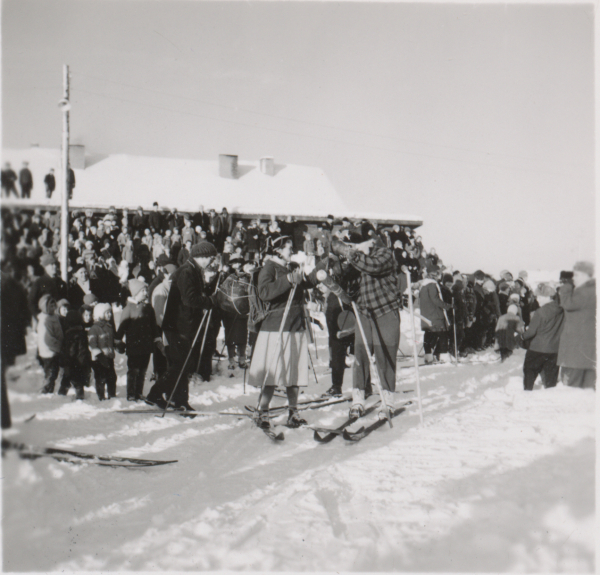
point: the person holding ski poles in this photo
(187, 304)
(280, 355)
(378, 307)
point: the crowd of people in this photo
(160, 285)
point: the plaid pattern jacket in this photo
(378, 292)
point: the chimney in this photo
(77, 156)
(267, 165)
(228, 166)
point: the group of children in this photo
(85, 340)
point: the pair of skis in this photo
(325, 434)
(78, 457)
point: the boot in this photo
(79, 394)
(294, 419)
(334, 391)
(48, 388)
(428, 358)
(261, 419)
(62, 390)
(231, 363)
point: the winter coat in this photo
(15, 319)
(101, 338)
(49, 333)
(76, 350)
(187, 299)
(274, 288)
(545, 328)
(578, 339)
(138, 327)
(507, 327)
(159, 300)
(432, 306)
(155, 220)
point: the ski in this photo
(159, 410)
(30, 452)
(272, 435)
(362, 433)
(305, 406)
(331, 434)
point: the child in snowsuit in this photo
(49, 340)
(101, 338)
(509, 326)
(76, 355)
(138, 327)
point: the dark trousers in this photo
(51, 368)
(106, 377)
(74, 375)
(177, 352)
(537, 363)
(4, 406)
(435, 342)
(337, 349)
(136, 374)
(383, 339)
(236, 334)
(159, 362)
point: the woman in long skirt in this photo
(281, 362)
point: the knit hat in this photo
(446, 278)
(513, 309)
(100, 310)
(136, 286)
(162, 260)
(63, 303)
(502, 286)
(585, 267)
(44, 302)
(170, 268)
(514, 297)
(524, 275)
(203, 250)
(545, 290)
(505, 273)
(47, 259)
(90, 299)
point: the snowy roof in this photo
(129, 181)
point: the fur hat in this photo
(136, 286)
(545, 290)
(100, 310)
(203, 250)
(585, 267)
(90, 299)
(513, 309)
(47, 259)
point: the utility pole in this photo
(65, 106)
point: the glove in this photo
(120, 346)
(295, 277)
(340, 248)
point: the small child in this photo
(101, 338)
(138, 326)
(77, 357)
(49, 339)
(509, 326)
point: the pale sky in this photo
(478, 118)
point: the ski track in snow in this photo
(497, 480)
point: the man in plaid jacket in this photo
(378, 303)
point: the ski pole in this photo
(373, 365)
(313, 366)
(412, 326)
(286, 311)
(455, 342)
(185, 363)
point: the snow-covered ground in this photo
(497, 480)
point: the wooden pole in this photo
(64, 216)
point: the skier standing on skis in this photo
(378, 305)
(283, 362)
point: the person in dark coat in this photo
(140, 221)
(434, 308)
(50, 183)
(15, 317)
(138, 327)
(71, 182)
(188, 300)
(25, 180)
(577, 349)
(542, 338)
(9, 177)
(201, 218)
(155, 219)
